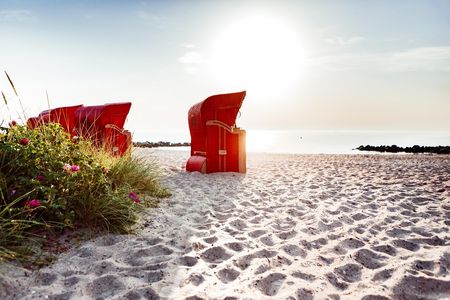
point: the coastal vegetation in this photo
(413, 149)
(51, 181)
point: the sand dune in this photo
(294, 227)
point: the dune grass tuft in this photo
(48, 180)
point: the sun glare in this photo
(259, 53)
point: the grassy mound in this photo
(48, 181)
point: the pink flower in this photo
(33, 203)
(12, 123)
(67, 167)
(24, 141)
(75, 168)
(40, 177)
(133, 196)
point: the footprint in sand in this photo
(433, 241)
(397, 232)
(256, 220)
(352, 243)
(359, 216)
(261, 269)
(106, 286)
(256, 233)
(323, 226)
(245, 261)
(215, 255)
(228, 275)
(304, 276)
(71, 281)
(104, 267)
(195, 279)
(412, 287)
(271, 284)
(85, 252)
(44, 278)
(238, 224)
(335, 281)
(158, 254)
(374, 297)
(304, 294)
(286, 235)
(194, 298)
(109, 240)
(187, 261)
(142, 293)
(294, 250)
(146, 276)
(369, 259)
(267, 240)
(151, 241)
(210, 240)
(406, 245)
(349, 272)
(235, 246)
(383, 275)
(388, 249)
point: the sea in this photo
(315, 141)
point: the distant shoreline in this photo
(160, 144)
(416, 149)
(413, 149)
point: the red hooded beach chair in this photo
(103, 124)
(65, 116)
(217, 145)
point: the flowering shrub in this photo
(39, 167)
(66, 181)
(49, 180)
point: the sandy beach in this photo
(293, 227)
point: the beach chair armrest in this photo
(115, 127)
(228, 128)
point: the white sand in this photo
(293, 227)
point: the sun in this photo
(259, 53)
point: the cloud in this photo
(428, 59)
(347, 62)
(152, 19)
(422, 59)
(188, 46)
(191, 57)
(342, 42)
(15, 14)
(192, 60)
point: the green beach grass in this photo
(50, 182)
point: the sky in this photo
(313, 65)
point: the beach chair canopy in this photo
(90, 117)
(61, 115)
(103, 124)
(221, 108)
